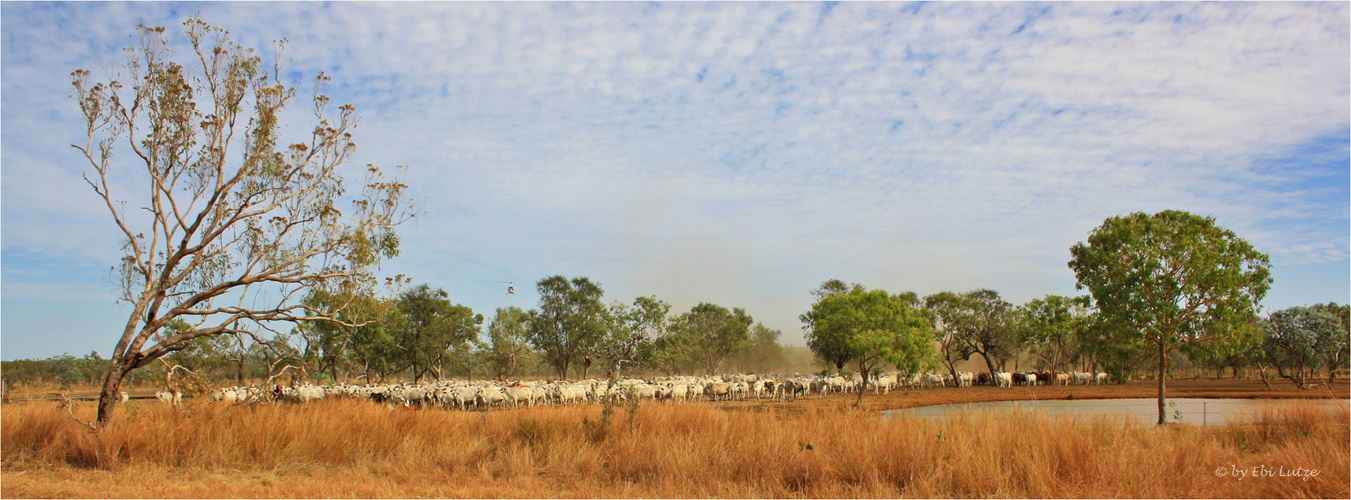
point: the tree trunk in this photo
(1163, 373)
(1298, 381)
(862, 368)
(989, 364)
(108, 397)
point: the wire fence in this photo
(1180, 410)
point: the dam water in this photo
(1142, 410)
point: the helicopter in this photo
(511, 288)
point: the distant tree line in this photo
(1061, 334)
(418, 332)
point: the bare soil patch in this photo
(1186, 388)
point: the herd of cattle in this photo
(482, 394)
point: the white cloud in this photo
(739, 149)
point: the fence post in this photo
(1203, 413)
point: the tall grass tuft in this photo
(353, 448)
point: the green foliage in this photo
(1300, 339)
(764, 354)
(878, 328)
(1054, 327)
(632, 334)
(428, 325)
(1172, 280)
(1340, 349)
(944, 310)
(829, 345)
(229, 213)
(65, 370)
(508, 341)
(569, 322)
(713, 333)
(976, 322)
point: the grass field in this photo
(357, 449)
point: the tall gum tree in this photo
(714, 333)
(569, 322)
(225, 229)
(1172, 280)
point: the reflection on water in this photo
(1144, 410)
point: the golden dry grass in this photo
(355, 449)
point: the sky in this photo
(734, 153)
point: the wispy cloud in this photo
(740, 153)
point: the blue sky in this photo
(738, 153)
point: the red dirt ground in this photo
(1186, 388)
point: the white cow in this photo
(169, 398)
(885, 383)
(1003, 379)
(517, 394)
(965, 379)
(934, 378)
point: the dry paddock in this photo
(809, 448)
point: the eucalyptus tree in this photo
(1338, 354)
(1051, 327)
(1172, 280)
(828, 344)
(226, 226)
(764, 351)
(1299, 340)
(360, 334)
(980, 322)
(714, 332)
(632, 334)
(879, 329)
(428, 325)
(945, 311)
(569, 322)
(508, 341)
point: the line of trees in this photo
(420, 333)
(1061, 334)
(1161, 285)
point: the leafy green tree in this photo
(983, 322)
(569, 322)
(1299, 340)
(714, 333)
(945, 310)
(428, 325)
(879, 329)
(1052, 326)
(371, 341)
(764, 352)
(359, 333)
(671, 353)
(508, 341)
(1171, 281)
(827, 344)
(631, 335)
(230, 226)
(1338, 354)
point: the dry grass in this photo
(355, 449)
